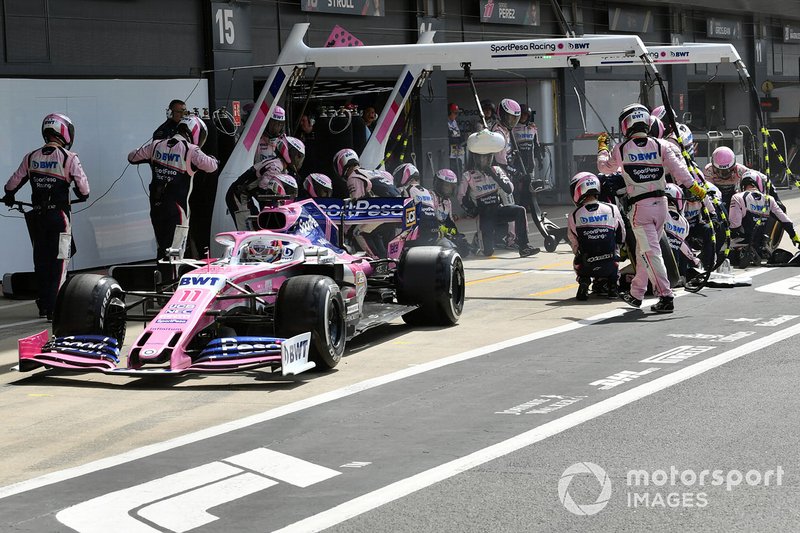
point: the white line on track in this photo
(24, 322)
(404, 487)
(17, 304)
(146, 451)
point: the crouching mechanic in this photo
(479, 194)
(751, 208)
(407, 179)
(677, 229)
(174, 162)
(644, 160)
(50, 217)
(445, 184)
(595, 232)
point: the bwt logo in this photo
(297, 352)
(579, 46)
(199, 280)
(167, 157)
(44, 164)
(678, 230)
(594, 218)
(645, 156)
(679, 54)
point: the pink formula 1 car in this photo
(283, 297)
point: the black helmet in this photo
(525, 108)
(488, 104)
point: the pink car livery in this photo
(282, 298)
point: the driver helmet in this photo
(724, 161)
(509, 112)
(445, 183)
(193, 130)
(292, 151)
(318, 186)
(59, 126)
(656, 127)
(687, 138)
(262, 252)
(405, 174)
(584, 184)
(754, 178)
(344, 158)
(634, 118)
(674, 196)
(277, 123)
(282, 185)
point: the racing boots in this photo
(526, 251)
(663, 305)
(631, 300)
(583, 292)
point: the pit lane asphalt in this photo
(409, 426)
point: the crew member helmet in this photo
(674, 196)
(277, 123)
(318, 186)
(634, 118)
(59, 126)
(344, 158)
(282, 185)
(445, 183)
(754, 178)
(292, 151)
(193, 130)
(582, 185)
(723, 160)
(405, 174)
(509, 112)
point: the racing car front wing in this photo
(95, 353)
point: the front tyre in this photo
(315, 304)
(432, 278)
(90, 304)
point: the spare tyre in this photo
(432, 278)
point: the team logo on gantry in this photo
(587, 509)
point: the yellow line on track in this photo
(557, 289)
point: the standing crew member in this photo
(175, 113)
(174, 161)
(50, 170)
(274, 132)
(644, 160)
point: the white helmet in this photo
(318, 186)
(343, 159)
(292, 151)
(282, 185)
(262, 252)
(674, 196)
(60, 127)
(193, 130)
(277, 123)
(634, 118)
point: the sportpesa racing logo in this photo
(538, 46)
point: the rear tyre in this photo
(90, 304)
(432, 278)
(313, 303)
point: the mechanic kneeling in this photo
(479, 194)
